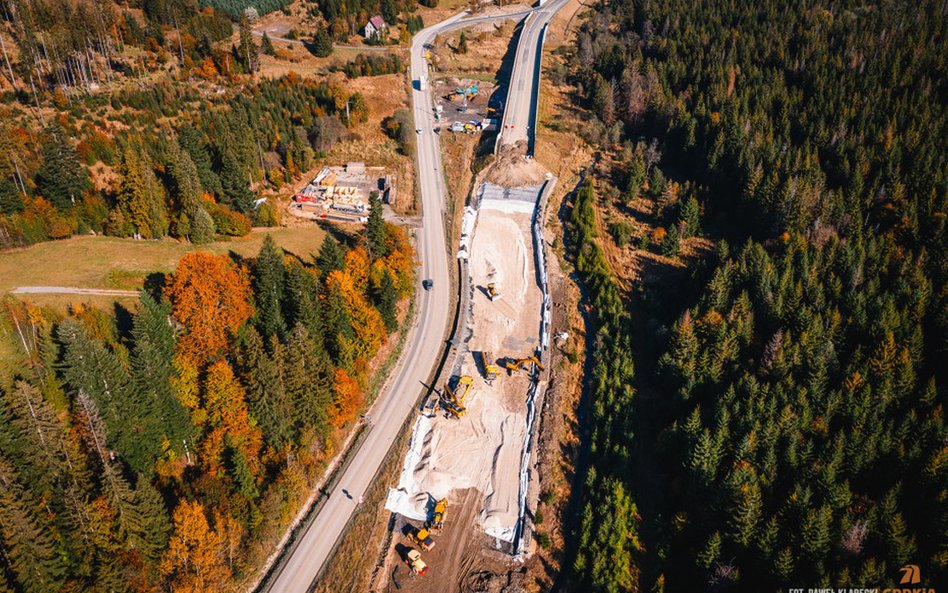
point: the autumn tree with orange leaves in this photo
(210, 297)
(196, 560)
(231, 427)
(348, 399)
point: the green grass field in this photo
(112, 263)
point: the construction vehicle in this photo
(415, 563)
(518, 364)
(430, 407)
(492, 293)
(490, 369)
(437, 516)
(462, 389)
(455, 409)
(452, 402)
(422, 538)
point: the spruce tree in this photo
(153, 370)
(28, 539)
(247, 51)
(235, 184)
(61, 178)
(202, 228)
(375, 232)
(266, 45)
(331, 256)
(303, 304)
(386, 299)
(322, 43)
(308, 388)
(268, 284)
(262, 375)
(193, 143)
(90, 368)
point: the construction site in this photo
(343, 192)
(466, 477)
(465, 105)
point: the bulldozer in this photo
(437, 516)
(492, 293)
(518, 364)
(422, 538)
(491, 370)
(415, 563)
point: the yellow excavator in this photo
(491, 370)
(463, 389)
(518, 364)
(438, 515)
(451, 402)
(492, 293)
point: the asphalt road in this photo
(523, 93)
(425, 344)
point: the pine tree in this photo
(269, 274)
(462, 43)
(61, 178)
(375, 232)
(322, 43)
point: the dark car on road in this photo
(427, 283)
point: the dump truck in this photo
(438, 515)
(415, 563)
(422, 538)
(492, 293)
(518, 364)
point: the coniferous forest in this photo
(775, 417)
(167, 448)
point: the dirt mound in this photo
(484, 581)
(512, 168)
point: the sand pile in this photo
(512, 168)
(480, 450)
(483, 449)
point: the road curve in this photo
(524, 89)
(425, 343)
